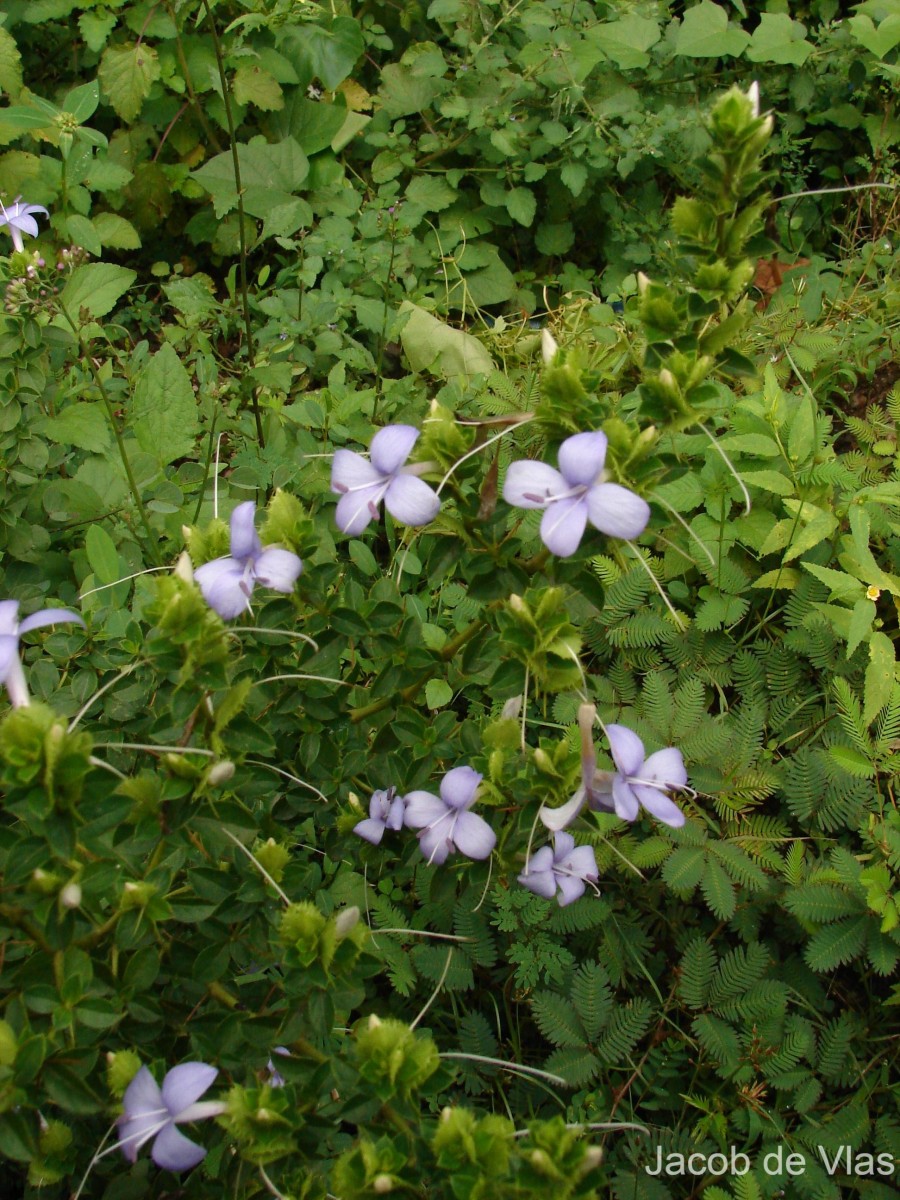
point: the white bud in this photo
(382, 1184)
(185, 532)
(345, 921)
(220, 773)
(184, 568)
(643, 282)
(753, 97)
(511, 709)
(549, 346)
(374, 1021)
(70, 895)
(593, 1157)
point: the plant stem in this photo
(242, 261)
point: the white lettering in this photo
(832, 1167)
(886, 1164)
(712, 1164)
(658, 1170)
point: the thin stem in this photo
(516, 1068)
(668, 603)
(124, 579)
(255, 762)
(242, 261)
(100, 691)
(152, 539)
(262, 870)
(434, 995)
(602, 1126)
(154, 749)
(315, 678)
(731, 467)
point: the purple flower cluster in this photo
(444, 821)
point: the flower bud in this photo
(753, 97)
(184, 568)
(220, 773)
(70, 896)
(345, 922)
(382, 1184)
(511, 709)
(643, 282)
(549, 346)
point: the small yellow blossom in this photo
(872, 592)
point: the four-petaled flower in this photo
(228, 582)
(575, 494)
(11, 629)
(565, 867)
(153, 1112)
(386, 811)
(445, 821)
(18, 218)
(637, 782)
(363, 483)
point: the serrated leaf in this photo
(431, 193)
(81, 424)
(769, 481)
(574, 176)
(126, 74)
(95, 29)
(252, 84)
(705, 33)
(879, 676)
(95, 287)
(861, 621)
(683, 869)
(521, 205)
(878, 40)
(10, 64)
(116, 232)
(82, 232)
(164, 409)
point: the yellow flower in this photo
(872, 592)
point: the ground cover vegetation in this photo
(450, 584)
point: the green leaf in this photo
(116, 232)
(101, 554)
(95, 29)
(574, 176)
(770, 481)
(803, 431)
(126, 75)
(438, 693)
(854, 762)
(432, 193)
(683, 869)
(718, 890)
(82, 232)
(10, 64)
(270, 176)
(95, 287)
(778, 39)
(860, 623)
(879, 676)
(427, 341)
(81, 103)
(878, 41)
(328, 50)
(521, 205)
(626, 41)
(164, 409)
(82, 424)
(705, 33)
(404, 91)
(252, 84)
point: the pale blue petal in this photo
(277, 569)
(185, 1084)
(223, 585)
(581, 457)
(435, 844)
(563, 844)
(372, 829)
(542, 883)
(627, 749)
(627, 806)
(174, 1152)
(541, 860)
(26, 223)
(666, 766)
(245, 541)
(659, 805)
(582, 862)
(394, 819)
(9, 649)
(422, 808)
(142, 1095)
(616, 511)
(529, 484)
(9, 616)
(411, 501)
(473, 836)
(355, 510)
(49, 616)
(558, 818)
(351, 470)
(570, 889)
(458, 787)
(392, 446)
(563, 525)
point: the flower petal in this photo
(582, 862)
(392, 446)
(222, 583)
(142, 1095)
(422, 808)
(372, 829)
(49, 616)
(563, 845)
(245, 541)
(458, 787)
(355, 510)
(185, 1084)
(571, 888)
(145, 1112)
(627, 806)
(473, 836)
(581, 457)
(563, 524)
(665, 766)
(541, 860)
(174, 1152)
(394, 819)
(616, 511)
(9, 616)
(558, 818)
(542, 883)
(528, 484)
(351, 470)
(435, 844)
(659, 805)
(411, 501)
(627, 749)
(26, 223)
(277, 569)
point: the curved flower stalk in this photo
(154, 1112)
(386, 811)
(17, 217)
(11, 629)
(363, 483)
(575, 494)
(637, 782)
(562, 870)
(445, 821)
(227, 583)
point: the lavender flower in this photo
(227, 583)
(575, 494)
(153, 1112)
(386, 811)
(276, 1079)
(565, 867)
(445, 821)
(363, 483)
(636, 782)
(19, 220)
(11, 629)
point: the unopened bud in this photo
(517, 604)
(220, 773)
(382, 1184)
(184, 568)
(549, 346)
(643, 282)
(593, 1156)
(374, 1021)
(70, 895)
(511, 709)
(753, 97)
(346, 921)
(667, 379)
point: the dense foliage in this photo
(535, 829)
